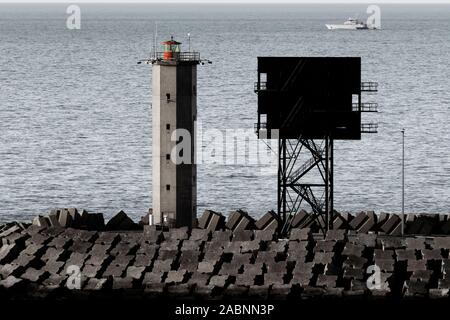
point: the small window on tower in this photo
(168, 126)
(168, 96)
(168, 156)
(167, 186)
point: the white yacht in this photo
(350, 24)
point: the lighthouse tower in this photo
(174, 112)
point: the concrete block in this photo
(273, 279)
(414, 265)
(243, 235)
(383, 254)
(77, 259)
(121, 221)
(41, 221)
(300, 219)
(335, 235)
(438, 293)
(96, 221)
(389, 242)
(253, 269)
(134, 272)
(324, 246)
(416, 288)
(404, 255)
(299, 234)
(94, 284)
(269, 221)
(54, 282)
(122, 283)
(326, 281)
(245, 280)
(211, 221)
(179, 233)
(199, 235)
(80, 246)
(222, 236)
(53, 267)
(323, 257)
(53, 220)
(90, 271)
(142, 260)
(300, 278)
(65, 220)
(122, 259)
(8, 253)
(153, 277)
(432, 254)
(34, 275)
(24, 260)
(199, 278)
(351, 249)
(358, 220)
(353, 273)
(219, 281)
(175, 276)
(415, 243)
(385, 265)
(114, 270)
(162, 265)
(11, 283)
(250, 246)
(205, 267)
(421, 275)
(355, 262)
(265, 235)
(441, 243)
(390, 224)
(279, 246)
(52, 254)
(239, 220)
(107, 238)
(303, 267)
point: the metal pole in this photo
(327, 190)
(403, 182)
(189, 41)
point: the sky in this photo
(231, 1)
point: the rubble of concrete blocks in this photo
(362, 222)
(45, 262)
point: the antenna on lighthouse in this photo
(155, 39)
(189, 41)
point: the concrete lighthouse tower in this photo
(174, 112)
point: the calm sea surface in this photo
(75, 117)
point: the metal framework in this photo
(297, 179)
(309, 120)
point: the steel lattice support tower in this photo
(310, 102)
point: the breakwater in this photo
(235, 258)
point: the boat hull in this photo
(345, 27)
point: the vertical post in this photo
(189, 41)
(331, 184)
(327, 180)
(284, 181)
(279, 178)
(403, 182)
